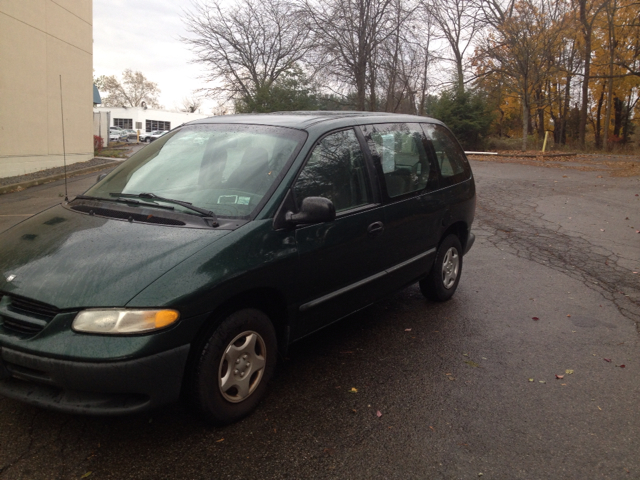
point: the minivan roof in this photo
(307, 119)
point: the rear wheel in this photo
(233, 367)
(442, 281)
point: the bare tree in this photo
(459, 22)
(245, 47)
(132, 91)
(348, 34)
(403, 63)
(190, 104)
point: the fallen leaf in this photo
(407, 329)
(542, 381)
(622, 366)
(221, 440)
(451, 378)
(471, 363)
(559, 377)
(599, 408)
(86, 475)
(353, 390)
(379, 413)
(531, 379)
(535, 318)
(465, 354)
(568, 315)
(602, 229)
(569, 372)
(432, 428)
(607, 360)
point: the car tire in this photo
(442, 281)
(231, 370)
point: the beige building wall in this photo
(40, 40)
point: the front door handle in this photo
(375, 228)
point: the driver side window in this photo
(335, 170)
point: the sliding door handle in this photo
(375, 228)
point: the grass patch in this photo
(111, 153)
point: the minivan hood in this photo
(71, 260)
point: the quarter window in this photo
(399, 149)
(453, 164)
(335, 170)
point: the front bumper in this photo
(110, 388)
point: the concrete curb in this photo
(52, 178)
(532, 155)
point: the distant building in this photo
(145, 119)
(41, 40)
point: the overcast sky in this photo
(144, 36)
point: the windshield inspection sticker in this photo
(244, 200)
(227, 199)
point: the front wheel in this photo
(233, 367)
(442, 281)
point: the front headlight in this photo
(114, 322)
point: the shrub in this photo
(466, 113)
(98, 143)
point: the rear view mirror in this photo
(313, 210)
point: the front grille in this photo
(28, 307)
(25, 316)
(138, 217)
(20, 326)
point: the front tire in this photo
(232, 369)
(443, 279)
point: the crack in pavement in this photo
(508, 212)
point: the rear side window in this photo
(453, 164)
(399, 150)
(335, 170)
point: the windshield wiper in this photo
(153, 196)
(123, 200)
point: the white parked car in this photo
(117, 134)
(151, 136)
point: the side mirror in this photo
(313, 210)
(100, 177)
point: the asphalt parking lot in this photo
(531, 371)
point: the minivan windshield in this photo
(226, 169)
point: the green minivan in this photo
(184, 271)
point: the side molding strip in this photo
(314, 303)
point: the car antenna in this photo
(64, 151)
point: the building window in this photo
(157, 125)
(123, 123)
